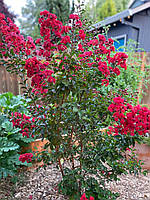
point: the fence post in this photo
(141, 82)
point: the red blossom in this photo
(82, 35)
(79, 23)
(80, 47)
(65, 39)
(105, 82)
(74, 16)
(24, 122)
(26, 157)
(102, 39)
(130, 119)
(38, 40)
(84, 197)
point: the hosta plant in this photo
(88, 122)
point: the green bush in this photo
(11, 141)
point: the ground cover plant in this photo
(12, 136)
(89, 124)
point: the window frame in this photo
(124, 36)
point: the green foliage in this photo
(90, 12)
(121, 5)
(99, 9)
(73, 114)
(61, 8)
(146, 140)
(130, 79)
(10, 103)
(81, 114)
(108, 9)
(11, 141)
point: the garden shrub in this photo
(89, 126)
(11, 139)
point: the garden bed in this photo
(42, 185)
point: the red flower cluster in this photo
(102, 47)
(65, 39)
(13, 39)
(24, 122)
(39, 73)
(102, 66)
(56, 37)
(26, 157)
(119, 59)
(76, 19)
(82, 35)
(105, 82)
(130, 119)
(52, 28)
(32, 66)
(74, 16)
(84, 197)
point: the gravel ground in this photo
(42, 185)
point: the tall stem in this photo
(58, 133)
(72, 158)
(60, 166)
(81, 145)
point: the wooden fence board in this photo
(8, 82)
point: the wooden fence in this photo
(146, 97)
(8, 82)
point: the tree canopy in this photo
(108, 9)
(97, 10)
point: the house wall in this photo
(123, 29)
(142, 20)
(118, 30)
(138, 29)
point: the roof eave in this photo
(113, 19)
(121, 15)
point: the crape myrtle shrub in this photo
(88, 128)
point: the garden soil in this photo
(42, 185)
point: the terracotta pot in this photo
(36, 146)
(143, 153)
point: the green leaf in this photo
(8, 126)
(75, 109)
(6, 145)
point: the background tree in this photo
(90, 10)
(99, 9)
(108, 9)
(121, 5)
(60, 7)
(5, 10)
(31, 13)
